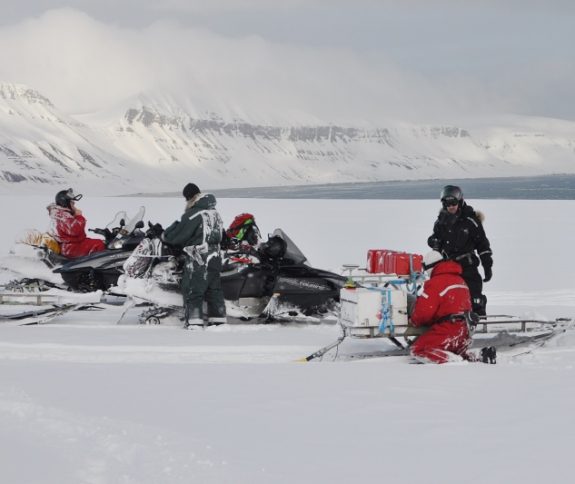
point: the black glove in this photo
(488, 273)
(154, 230)
(434, 243)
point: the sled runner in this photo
(515, 333)
(39, 315)
(21, 308)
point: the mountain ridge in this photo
(43, 147)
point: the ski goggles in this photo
(450, 202)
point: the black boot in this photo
(489, 355)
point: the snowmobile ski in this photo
(37, 316)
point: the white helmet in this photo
(431, 259)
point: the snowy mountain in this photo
(151, 145)
(40, 145)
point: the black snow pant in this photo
(474, 281)
(201, 282)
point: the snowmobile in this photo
(278, 274)
(269, 282)
(42, 267)
(101, 270)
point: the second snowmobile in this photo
(270, 282)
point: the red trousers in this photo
(87, 246)
(441, 342)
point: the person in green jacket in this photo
(199, 233)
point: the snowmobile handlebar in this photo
(106, 233)
(116, 232)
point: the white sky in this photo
(317, 59)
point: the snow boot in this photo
(489, 355)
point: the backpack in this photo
(36, 238)
(239, 226)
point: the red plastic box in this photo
(393, 262)
(376, 260)
(402, 263)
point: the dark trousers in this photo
(201, 282)
(475, 283)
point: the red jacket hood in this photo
(447, 267)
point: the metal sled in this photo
(377, 306)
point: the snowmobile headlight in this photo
(116, 244)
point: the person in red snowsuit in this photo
(442, 306)
(68, 226)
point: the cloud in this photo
(78, 62)
(87, 65)
(237, 5)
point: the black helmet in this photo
(64, 197)
(450, 194)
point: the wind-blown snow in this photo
(86, 400)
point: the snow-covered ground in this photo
(85, 400)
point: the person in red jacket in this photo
(68, 226)
(442, 305)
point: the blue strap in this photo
(386, 320)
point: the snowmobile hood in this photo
(447, 267)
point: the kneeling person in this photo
(442, 305)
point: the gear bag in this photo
(244, 228)
(36, 238)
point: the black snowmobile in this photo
(102, 269)
(269, 282)
(37, 264)
(277, 269)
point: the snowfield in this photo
(86, 400)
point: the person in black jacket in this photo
(199, 234)
(459, 235)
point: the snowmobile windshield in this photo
(115, 222)
(121, 220)
(131, 224)
(292, 251)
